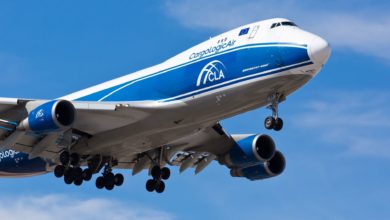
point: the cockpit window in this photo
(284, 23)
(288, 23)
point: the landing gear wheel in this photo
(74, 159)
(109, 181)
(156, 172)
(151, 185)
(269, 123)
(77, 173)
(278, 124)
(59, 171)
(68, 179)
(100, 182)
(109, 187)
(118, 179)
(87, 174)
(78, 181)
(165, 173)
(64, 158)
(160, 187)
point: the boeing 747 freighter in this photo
(168, 114)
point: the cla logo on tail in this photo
(213, 71)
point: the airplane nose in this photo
(319, 50)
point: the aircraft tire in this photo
(64, 158)
(77, 172)
(151, 185)
(87, 174)
(118, 179)
(160, 187)
(109, 187)
(100, 182)
(109, 181)
(59, 171)
(156, 172)
(74, 159)
(165, 173)
(68, 179)
(278, 124)
(78, 181)
(269, 123)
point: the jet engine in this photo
(268, 169)
(250, 151)
(50, 116)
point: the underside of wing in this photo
(195, 150)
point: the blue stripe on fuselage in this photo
(242, 63)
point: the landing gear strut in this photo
(274, 122)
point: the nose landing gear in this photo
(274, 122)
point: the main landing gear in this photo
(274, 122)
(159, 174)
(108, 180)
(70, 170)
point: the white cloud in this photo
(358, 121)
(65, 207)
(364, 29)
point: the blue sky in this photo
(336, 138)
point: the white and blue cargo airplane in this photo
(167, 114)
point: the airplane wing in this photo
(190, 146)
(196, 149)
(145, 141)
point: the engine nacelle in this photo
(51, 116)
(250, 151)
(268, 169)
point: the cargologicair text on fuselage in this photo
(222, 44)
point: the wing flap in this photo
(200, 149)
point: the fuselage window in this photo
(288, 23)
(284, 23)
